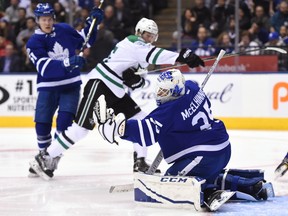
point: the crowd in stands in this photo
(17, 24)
(207, 26)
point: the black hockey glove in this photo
(73, 62)
(188, 57)
(132, 80)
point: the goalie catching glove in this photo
(109, 125)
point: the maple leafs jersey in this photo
(47, 51)
(183, 127)
(134, 52)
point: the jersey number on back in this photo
(205, 116)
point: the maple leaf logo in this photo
(58, 52)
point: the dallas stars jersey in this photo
(47, 51)
(134, 52)
(183, 127)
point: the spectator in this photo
(25, 34)
(10, 62)
(6, 29)
(231, 28)
(258, 34)
(123, 15)
(220, 14)
(273, 6)
(30, 10)
(203, 13)
(189, 24)
(12, 13)
(280, 17)
(3, 43)
(261, 18)
(244, 20)
(204, 45)
(111, 23)
(274, 40)
(247, 44)
(60, 13)
(284, 34)
(21, 24)
(223, 42)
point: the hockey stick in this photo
(276, 49)
(89, 32)
(159, 157)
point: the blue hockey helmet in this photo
(44, 9)
(170, 86)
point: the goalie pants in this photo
(206, 167)
(93, 89)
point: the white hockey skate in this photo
(218, 198)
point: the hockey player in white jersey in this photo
(52, 49)
(132, 54)
(191, 139)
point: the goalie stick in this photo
(276, 49)
(159, 157)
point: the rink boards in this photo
(241, 100)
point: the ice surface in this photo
(86, 172)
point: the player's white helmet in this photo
(170, 86)
(146, 25)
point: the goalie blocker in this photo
(187, 191)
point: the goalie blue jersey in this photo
(183, 127)
(47, 52)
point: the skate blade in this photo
(33, 175)
(281, 171)
(217, 203)
(269, 188)
(35, 166)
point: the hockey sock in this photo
(66, 139)
(43, 135)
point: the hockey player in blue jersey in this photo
(52, 49)
(191, 139)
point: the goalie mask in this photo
(147, 25)
(170, 86)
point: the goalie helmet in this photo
(170, 86)
(44, 9)
(146, 25)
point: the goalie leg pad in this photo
(169, 191)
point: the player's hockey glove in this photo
(73, 62)
(188, 57)
(95, 13)
(132, 80)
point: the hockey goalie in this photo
(195, 144)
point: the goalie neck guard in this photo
(170, 86)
